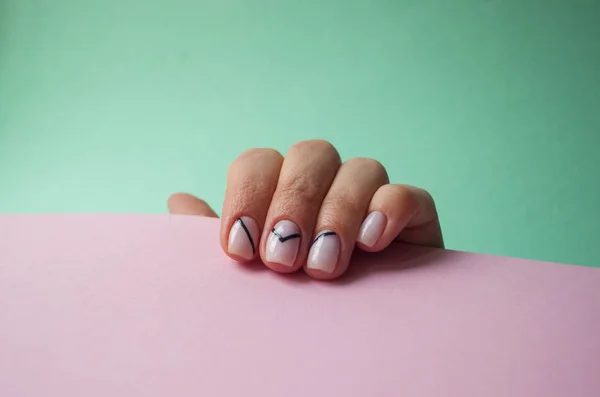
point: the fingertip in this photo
(326, 259)
(371, 230)
(321, 275)
(366, 248)
(240, 243)
(279, 268)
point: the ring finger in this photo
(341, 215)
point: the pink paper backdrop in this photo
(147, 305)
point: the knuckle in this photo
(320, 147)
(258, 153)
(301, 190)
(248, 186)
(426, 199)
(373, 166)
(405, 196)
(335, 212)
(340, 204)
(369, 166)
(246, 192)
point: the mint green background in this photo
(493, 106)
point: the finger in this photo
(306, 175)
(186, 204)
(251, 181)
(341, 215)
(400, 212)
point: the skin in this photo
(315, 190)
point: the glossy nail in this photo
(283, 243)
(243, 238)
(372, 228)
(324, 252)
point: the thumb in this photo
(186, 204)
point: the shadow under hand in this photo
(257, 266)
(396, 258)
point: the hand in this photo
(309, 210)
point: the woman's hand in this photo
(309, 210)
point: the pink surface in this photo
(118, 305)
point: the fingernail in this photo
(283, 243)
(243, 237)
(324, 252)
(372, 228)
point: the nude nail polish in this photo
(283, 243)
(372, 228)
(243, 238)
(324, 252)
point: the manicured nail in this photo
(372, 228)
(324, 252)
(283, 243)
(243, 237)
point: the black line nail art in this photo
(247, 234)
(286, 238)
(323, 234)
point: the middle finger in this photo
(306, 175)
